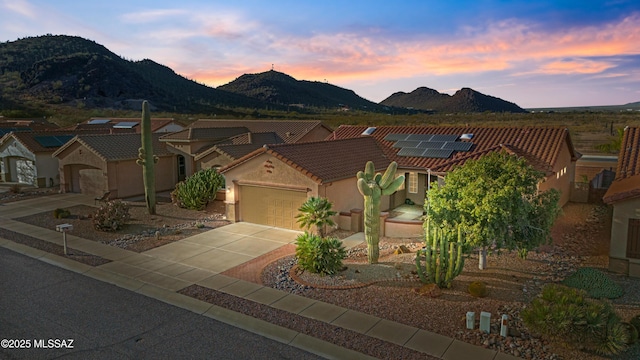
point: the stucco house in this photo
(285, 175)
(268, 185)
(95, 164)
(208, 143)
(25, 157)
(624, 196)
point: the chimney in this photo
(249, 138)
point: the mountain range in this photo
(73, 71)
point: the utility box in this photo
(485, 322)
(471, 320)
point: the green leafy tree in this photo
(316, 211)
(496, 201)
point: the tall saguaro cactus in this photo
(372, 186)
(147, 160)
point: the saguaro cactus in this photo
(147, 160)
(443, 258)
(372, 186)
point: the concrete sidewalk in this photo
(200, 260)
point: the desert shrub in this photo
(61, 213)
(596, 283)
(318, 255)
(198, 189)
(15, 188)
(568, 315)
(111, 216)
(477, 289)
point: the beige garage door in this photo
(272, 207)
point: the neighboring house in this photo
(94, 164)
(268, 185)
(213, 143)
(25, 157)
(287, 174)
(234, 148)
(290, 131)
(191, 142)
(129, 125)
(624, 196)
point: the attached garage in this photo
(271, 206)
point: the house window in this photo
(413, 183)
(401, 187)
(633, 239)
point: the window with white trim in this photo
(413, 183)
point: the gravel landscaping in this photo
(390, 289)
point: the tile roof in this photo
(111, 147)
(156, 124)
(324, 161)
(28, 138)
(459, 161)
(539, 144)
(289, 130)
(241, 145)
(213, 134)
(626, 185)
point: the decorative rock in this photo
(429, 290)
(402, 249)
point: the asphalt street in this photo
(52, 309)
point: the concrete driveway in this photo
(223, 248)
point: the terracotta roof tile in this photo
(290, 131)
(324, 161)
(112, 147)
(29, 138)
(626, 185)
(541, 144)
(213, 134)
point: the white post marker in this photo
(471, 320)
(485, 322)
(63, 228)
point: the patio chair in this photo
(103, 199)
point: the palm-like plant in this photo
(316, 211)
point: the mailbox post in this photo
(63, 228)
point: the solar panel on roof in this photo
(49, 141)
(420, 137)
(410, 152)
(444, 137)
(431, 144)
(457, 146)
(406, 144)
(437, 153)
(98, 121)
(396, 137)
(125, 125)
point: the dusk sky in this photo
(534, 53)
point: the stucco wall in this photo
(266, 170)
(622, 212)
(47, 168)
(564, 175)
